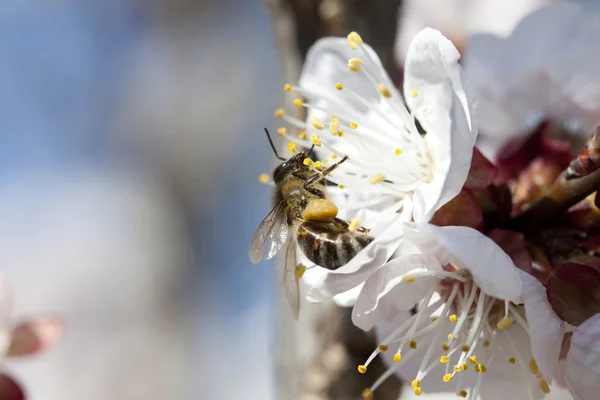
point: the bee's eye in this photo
(279, 172)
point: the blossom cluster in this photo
(477, 181)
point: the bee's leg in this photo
(321, 175)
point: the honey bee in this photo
(303, 216)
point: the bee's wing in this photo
(273, 230)
(291, 285)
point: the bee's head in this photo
(288, 167)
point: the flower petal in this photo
(436, 92)
(583, 361)
(492, 269)
(546, 330)
(324, 284)
(349, 297)
(36, 335)
(10, 389)
(385, 293)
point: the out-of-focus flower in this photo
(25, 338)
(468, 335)
(393, 171)
(548, 68)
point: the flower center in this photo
(458, 332)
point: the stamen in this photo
(307, 161)
(263, 178)
(281, 131)
(333, 156)
(512, 360)
(533, 367)
(354, 64)
(412, 344)
(287, 88)
(397, 357)
(299, 272)
(447, 378)
(314, 138)
(385, 92)
(377, 178)
(353, 125)
(544, 385)
(298, 102)
(415, 383)
(486, 343)
(318, 165)
(414, 93)
(398, 151)
(367, 394)
(505, 323)
(279, 112)
(453, 318)
(334, 125)
(317, 123)
(354, 40)
(444, 359)
(302, 135)
(291, 147)
(383, 347)
(339, 86)
(521, 363)
(362, 369)
(462, 393)
(417, 391)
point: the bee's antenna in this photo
(273, 146)
(310, 151)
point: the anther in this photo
(302, 135)
(353, 125)
(287, 87)
(367, 394)
(317, 123)
(450, 336)
(397, 357)
(417, 391)
(298, 103)
(473, 359)
(482, 368)
(456, 368)
(325, 161)
(353, 225)
(362, 369)
(434, 319)
(291, 147)
(263, 178)
(464, 366)
(279, 112)
(476, 367)
(339, 86)
(544, 385)
(376, 178)
(408, 278)
(318, 165)
(385, 92)
(300, 270)
(314, 138)
(334, 126)
(505, 323)
(333, 156)
(383, 347)
(398, 151)
(307, 161)
(462, 393)
(444, 359)
(486, 343)
(512, 360)
(412, 344)
(453, 318)
(354, 40)
(341, 133)
(354, 64)
(415, 383)
(533, 367)
(341, 186)
(445, 347)
(465, 348)
(447, 378)
(281, 131)
(414, 93)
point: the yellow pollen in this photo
(318, 165)
(415, 384)
(505, 323)
(367, 394)
(447, 378)
(339, 86)
(362, 369)
(334, 126)
(279, 112)
(353, 225)
(408, 278)
(291, 147)
(325, 161)
(299, 272)
(298, 102)
(450, 336)
(354, 40)
(385, 92)
(354, 64)
(317, 123)
(412, 344)
(486, 343)
(353, 125)
(383, 347)
(464, 366)
(462, 393)
(444, 359)
(397, 357)
(544, 386)
(314, 138)
(465, 348)
(417, 391)
(456, 368)
(482, 368)
(263, 178)
(302, 135)
(476, 367)
(445, 347)
(287, 88)
(434, 319)
(512, 360)
(282, 131)
(473, 359)
(333, 156)
(341, 186)
(533, 367)
(414, 93)
(341, 133)
(398, 151)
(376, 178)
(307, 161)
(453, 318)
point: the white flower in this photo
(354, 110)
(468, 335)
(548, 68)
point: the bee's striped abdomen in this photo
(328, 245)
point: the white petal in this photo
(492, 269)
(385, 294)
(349, 297)
(550, 65)
(436, 92)
(329, 283)
(583, 361)
(546, 329)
